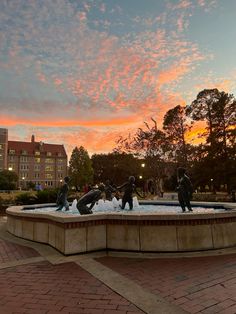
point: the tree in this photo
(218, 109)
(175, 127)
(116, 167)
(8, 180)
(201, 110)
(150, 144)
(80, 168)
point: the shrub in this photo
(47, 196)
(25, 199)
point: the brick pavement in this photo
(198, 285)
(64, 288)
(12, 252)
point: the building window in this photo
(37, 167)
(24, 152)
(48, 176)
(37, 160)
(37, 175)
(59, 154)
(59, 168)
(60, 161)
(49, 154)
(11, 167)
(48, 160)
(1, 146)
(49, 168)
(12, 151)
(24, 167)
(23, 159)
(11, 158)
(60, 175)
(48, 183)
(37, 153)
(1, 157)
(23, 175)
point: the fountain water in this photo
(114, 206)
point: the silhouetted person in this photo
(62, 195)
(129, 188)
(109, 189)
(233, 195)
(185, 189)
(89, 198)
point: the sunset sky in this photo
(77, 72)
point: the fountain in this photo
(152, 226)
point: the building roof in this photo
(32, 147)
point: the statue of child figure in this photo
(129, 188)
(62, 195)
(185, 189)
(89, 198)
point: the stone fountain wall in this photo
(125, 231)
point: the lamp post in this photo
(10, 169)
(23, 183)
(212, 185)
(60, 182)
(141, 177)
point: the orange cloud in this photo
(11, 121)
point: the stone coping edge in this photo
(127, 218)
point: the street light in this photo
(212, 185)
(23, 183)
(10, 169)
(140, 177)
(143, 165)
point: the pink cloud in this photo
(114, 81)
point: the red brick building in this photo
(3, 148)
(41, 163)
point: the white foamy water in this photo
(115, 206)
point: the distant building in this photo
(43, 164)
(3, 148)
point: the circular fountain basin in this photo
(210, 226)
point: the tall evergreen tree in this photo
(218, 109)
(80, 168)
(175, 125)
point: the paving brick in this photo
(12, 252)
(64, 288)
(195, 284)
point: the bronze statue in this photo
(109, 189)
(89, 198)
(185, 189)
(62, 195)
(129, 188)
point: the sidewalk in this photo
(197, 285)
(37, 279)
